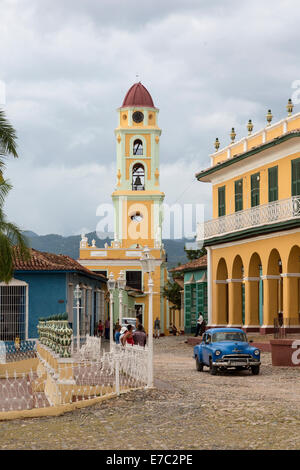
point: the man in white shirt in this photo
(199, 324)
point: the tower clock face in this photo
(138, 116)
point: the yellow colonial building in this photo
(137, 204)
(253, 240)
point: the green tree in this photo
(12, 241)
(172, 290)
(195, 254)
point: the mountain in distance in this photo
(69, 245)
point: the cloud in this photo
(67, 65)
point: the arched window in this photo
(138, 147)
(138, 177)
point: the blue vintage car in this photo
(226, 348)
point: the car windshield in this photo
(228, 336)
(129, 321)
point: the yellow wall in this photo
(265, 250)
(284, 185)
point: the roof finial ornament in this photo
(269, 117)
(290, 107)
(250, 127)
(217, 144)
(232, 135)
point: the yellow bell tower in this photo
(138, 199)
(138, 214)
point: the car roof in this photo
(228, 330)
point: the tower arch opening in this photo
(138, 147)
(138, 177)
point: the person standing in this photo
(100, 329)
(107, 328)
(156, 328)
(118, 334)
(139, 336)
(199, 326)
(127, 337)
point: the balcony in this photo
(275, 212)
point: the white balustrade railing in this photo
(274, 212)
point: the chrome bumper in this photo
(246, 363)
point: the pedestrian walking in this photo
(100, 329)
(107, 324)
(199, 326)
(156, 328)
(139, 336)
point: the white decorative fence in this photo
(13, 352)
(274, 212)
(89, 374)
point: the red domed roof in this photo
(138, 95)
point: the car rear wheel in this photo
(199, 365)
(255, 370)
(212, 369)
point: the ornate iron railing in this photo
(274, 212)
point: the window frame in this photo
(221, 207)
(295, 178)
(273, 190)
(253, 188)
(238, 197)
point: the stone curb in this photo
(59, 409)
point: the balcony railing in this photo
(274, 212)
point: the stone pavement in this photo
(186, 410)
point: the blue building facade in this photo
(44, 286)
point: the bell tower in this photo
(137, 198)
(138, 216)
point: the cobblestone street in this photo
(186, 410)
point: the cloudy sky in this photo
(209, 66)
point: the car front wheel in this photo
(255, 370)
(199, 365)
(212, 369)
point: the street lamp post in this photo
(148, 266)
(111, 284)
(77, 296)
(121, 287)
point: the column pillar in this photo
(210, 320)
(290, 296)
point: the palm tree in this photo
(12, 242)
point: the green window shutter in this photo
(187, 306)
(202, 299)
(221, 201)
(238, 194)
(296, 177)
(273, 183)
(255, 179)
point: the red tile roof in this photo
(192, 265)
(138, 95)
(43, 261)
